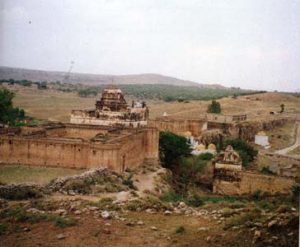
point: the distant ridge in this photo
(96, 79)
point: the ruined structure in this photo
(79, 146)
(220, 118)
(228, 165)
(230, 179)
(179, 126)
(112, 110)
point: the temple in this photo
(113, 110)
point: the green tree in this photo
(214, 107)
(171, 148)
(9, 114)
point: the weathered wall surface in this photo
(178, 126)
(252, 182)
(129, 151)
(248, 130)
(282, 165)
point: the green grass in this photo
(19, 214)
(39, 175)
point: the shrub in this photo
(267, 171)
(172, 197)
(237, 220)
(205, 156)
(64, 222)
(3, 228)
(8, 114)
(214, 107)
(195, 201)
(171, 148)
(180, 230)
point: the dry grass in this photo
(39, 175)
(282, 137)
(54, 105)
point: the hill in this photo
(96, 79)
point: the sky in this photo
(242, 43)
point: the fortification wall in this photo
(72, 153)
(178, 126)
(252, 182)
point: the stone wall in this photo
(129, 150)
(179, 126)
(282, 165)
(252, 182)
(248, 130)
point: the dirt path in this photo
(296, 143)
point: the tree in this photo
(9, 114)
(171, 148)
(214, 107)
(282, 108)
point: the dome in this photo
(200, 147)
(212, 146)
(261, 133)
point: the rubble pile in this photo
(93, 181)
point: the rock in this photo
(26, 229)
(272, 223)
(257, 234)
(154, 228)
(60, 236)
(140, 223)
(107, 224)
(71, 193)
(92, 208)
(182, 205)
(290, 234)
(60, 211)
(105, 215)
(203, 228)
(208, 238)
(167, 212)
(258, 224)
(275, 237)
(150, 211)
(77, 212)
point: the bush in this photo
(64, 222)
(172, 197)
(267, 171)
(3, 228)
(254, 215)
(214, 107)
(8, 114)
(180, 230)
(171, 148)
(205, 156)
(195, 201)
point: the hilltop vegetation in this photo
(167, 93)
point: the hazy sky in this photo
(247, 43)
